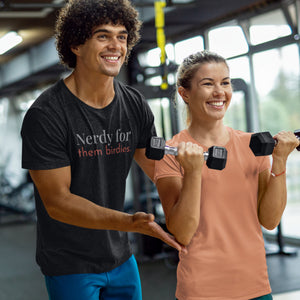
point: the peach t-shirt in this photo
(226, 258)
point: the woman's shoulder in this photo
(239, 134)
(182, 136)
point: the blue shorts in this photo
(122, 282)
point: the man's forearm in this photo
(78, 211)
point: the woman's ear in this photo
(183, 93)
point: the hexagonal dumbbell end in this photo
(155, 148)
(216, 157)
(262, 143)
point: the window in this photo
(161, 111)
(187, 47)
(151, 58)
(267, 27)
(236, 114)
(276, 75)
(239, 68)
(228, 41)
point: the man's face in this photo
(105, 51)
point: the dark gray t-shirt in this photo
(60, 130)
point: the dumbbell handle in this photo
(215, 157)
(174, 151)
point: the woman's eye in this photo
(226, 83)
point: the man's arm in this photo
(146, 164)
(54, 189)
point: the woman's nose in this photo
(218, 89)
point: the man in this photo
(79, 139)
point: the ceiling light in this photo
(9, 41)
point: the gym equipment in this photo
(262, 143)
(161, 40)
(216, 157)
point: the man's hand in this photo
(144, 223)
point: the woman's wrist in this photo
(277, 174)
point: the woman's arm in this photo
(181, 197)
(272, 194)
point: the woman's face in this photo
(210, 93)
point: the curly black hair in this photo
(77, 19)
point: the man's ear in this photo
(75, 50)
(183, 93)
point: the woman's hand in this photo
(190, 156)
(286, 143)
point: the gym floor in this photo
(20, 277)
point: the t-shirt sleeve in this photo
(168, 166)
(43, 142)
(148, 130)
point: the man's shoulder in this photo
(47, 105)
(48, 96)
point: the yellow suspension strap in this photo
(161, 40)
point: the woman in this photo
(218, 214)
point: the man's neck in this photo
(96, 91)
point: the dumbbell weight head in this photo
(262, 143)
(216, 158)
(155, 148)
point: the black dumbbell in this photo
(262, 143)
(216, 157)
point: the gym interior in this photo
(259, 39)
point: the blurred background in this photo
(259, 38)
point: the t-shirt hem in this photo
(83, 270)
(44, 166)
(248, 296)
(166, 175)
